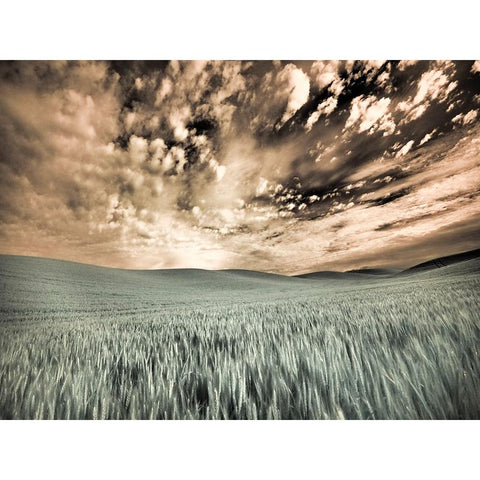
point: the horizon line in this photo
(366, 268)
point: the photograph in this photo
(239, 239)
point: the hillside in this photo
(444, 261)
(85, 342)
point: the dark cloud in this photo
(391, 197)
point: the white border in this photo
(239, 450)
(251, 29)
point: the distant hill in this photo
(392, 272)
(38, 270)
(59, 286)
(443, 261)
(331, 275)
(376, 271)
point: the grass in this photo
(80, 342)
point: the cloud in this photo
(138, 149)
(427, 137)
(404, 64)
(235, 164)
(465, 118)
(476, 66)
(405, 149)
(370, 68)
(432, 203)
(297, 83)
(435, 84)
(327, 73)
(178, 120)
(324, 108)
(384, 81)
(279, 96)
(370, 114)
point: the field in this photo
(85, 342)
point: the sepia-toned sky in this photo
(287, 167)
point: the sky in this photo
(279, 166)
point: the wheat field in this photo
(83, 342)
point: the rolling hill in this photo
(84, 342)
(443, 261)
